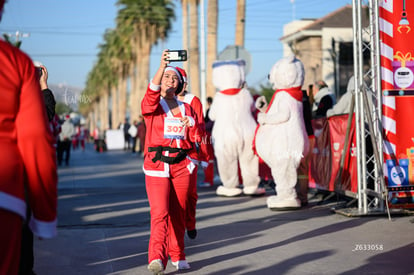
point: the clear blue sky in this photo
(65, 34)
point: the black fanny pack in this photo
(182, 153)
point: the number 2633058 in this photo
(368, 247)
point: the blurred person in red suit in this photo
(27, 159)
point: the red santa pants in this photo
(168, 199)
(10, 242)
(209, 173)
(192, 201)
(209, 170)
(82, 144)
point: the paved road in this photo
(103, 228)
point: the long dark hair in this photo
(180, 84)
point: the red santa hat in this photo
(183, 74)
(174, 69)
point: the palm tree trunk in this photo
(99, 112)
(212, 15)
(194, 57)
(95, 112)
(143, 77)
(134, 104)
(102, 112)
(91, 121)
(184, 4)
(240, 22)
(105, 109)
(114, 101)
(122, 96)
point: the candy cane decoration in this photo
(387, 78)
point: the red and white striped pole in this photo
(387, 78)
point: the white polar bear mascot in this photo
(233, 130)
(281, 139)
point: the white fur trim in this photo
(13, 204)
(43, 229)
(188, 98)
(158, 173)
(154, 87)
(167, 110)
(165, 107)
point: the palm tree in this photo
(212, 15)
(105, 77)
(16, 43)
(194, 57)
(126, 71)
(148, 21)
(99, 94)
(125, 55)
(117, 56)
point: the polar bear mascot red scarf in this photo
(281, 139)
(233, 130)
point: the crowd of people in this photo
(134, 135)
(180, 139)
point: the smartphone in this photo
(177, 55)
(39, 72)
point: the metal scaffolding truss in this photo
(372, 190)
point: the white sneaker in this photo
(228, 192)
(181, 264)
(156, 267)
(254, 191)
(277, 204)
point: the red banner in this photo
(320, 160)
(330, 137)
(348, 177)
(397, 79)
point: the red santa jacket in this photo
(26, 144)
(155, 110)
(201, 155)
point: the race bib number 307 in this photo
(173, 128)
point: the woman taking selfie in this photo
(171, 128)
